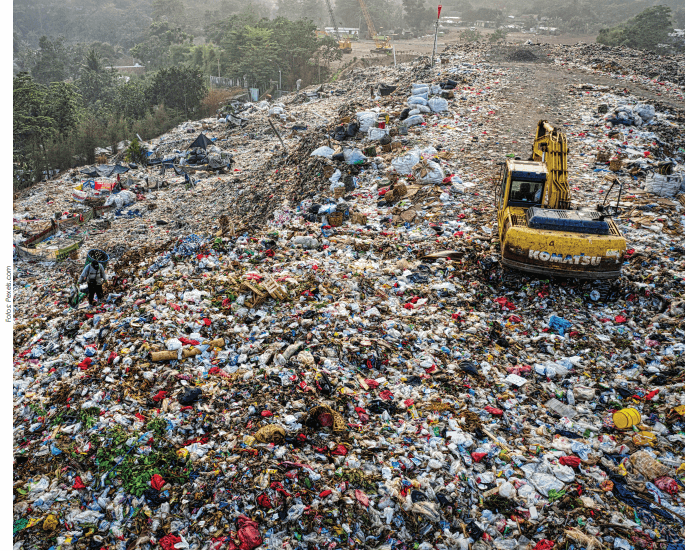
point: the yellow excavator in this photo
(382, 43)
(538, 229)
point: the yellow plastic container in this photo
(644, 438)
(626, 418)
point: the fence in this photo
(223, 82)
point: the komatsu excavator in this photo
(539, 231)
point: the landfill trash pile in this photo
(305, 341)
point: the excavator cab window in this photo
(525, 194)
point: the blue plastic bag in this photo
(559, 324)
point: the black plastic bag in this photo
(190, 396)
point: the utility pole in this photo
(433, 53)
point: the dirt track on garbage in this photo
(542, 87)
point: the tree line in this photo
(57, 126)
(70, 102)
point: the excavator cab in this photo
(539, 231)
(522, 185)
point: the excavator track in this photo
(599, 290)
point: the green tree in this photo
(329, 50)
(51, 61)
(32, 127)
(646, 31)
(23, 54)
(257, 50)
(179, 88)
(62, 106)
(96, 84)
(130, 101)
(172, 11)
(157, 50)
(417, 16)
(499, 35)
(649, 28)
(206, 58)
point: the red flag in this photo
(439, 11)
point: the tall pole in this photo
(433, 53)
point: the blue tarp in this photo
(104, 171)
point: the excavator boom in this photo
(383, 44)
(343, 44)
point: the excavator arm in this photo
(368, 19)
(381, 44)
(333, 20)
(550, 147)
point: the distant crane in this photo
(383, 43)
(343, 43)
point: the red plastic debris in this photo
(362, 497)
(339, 450)
(78, 484)
(570, 461)
(169, 541)
(263, 501)
(159, 396)
(248, 534)
(157, 482)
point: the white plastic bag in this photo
(366, 120)
(664, 185)
(353, 156)
(646, 112)
(403, 165)
(438, 105)
(376, 133)
(322, 151)
(173, 344)
(121, 199)
(428, 172)
(417, 100)
(413, 120)
(418, 109)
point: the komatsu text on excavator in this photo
(538, 229)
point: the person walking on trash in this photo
(94, 273)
